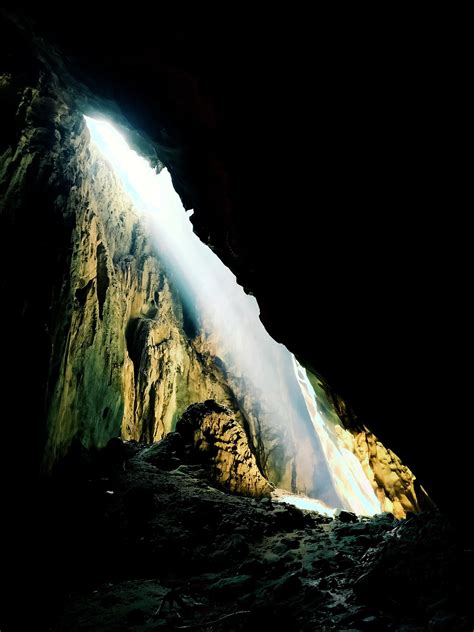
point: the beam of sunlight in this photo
(352, 485)
(309, 504)
(293, 438)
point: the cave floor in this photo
(140, 541)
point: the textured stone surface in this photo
(221, 443)
(397, 488)
(288, 452)
(118, 358)
(169, 544)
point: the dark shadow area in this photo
(134, 537)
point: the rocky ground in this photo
(138, 538)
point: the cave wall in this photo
(93, 319)
(345, 136)
(397, 488)
(116, 359)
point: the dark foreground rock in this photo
(141, 540)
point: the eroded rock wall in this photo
(219, 441)
(117, 358)
(395, 485)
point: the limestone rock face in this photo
(167, 375)
(279, 447)
(395, 485)
(221, 442)
(117, 359)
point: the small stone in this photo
(280, 549)
(271, 559)
(346, 516)
(370, 623)
(232, 586)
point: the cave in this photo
(230, 315)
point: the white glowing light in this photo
(309, 504)
(134, 171)
(151, 194)
(276, 394)
(351, 483)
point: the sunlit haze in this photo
(297, 439)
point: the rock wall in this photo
(218, 440)
(117, 358)
(288, 454)
(395, 485)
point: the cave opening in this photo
(312, 466)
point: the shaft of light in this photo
(272, 389)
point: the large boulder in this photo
(214, 437)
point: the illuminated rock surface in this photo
(118, 354)
(221, 443)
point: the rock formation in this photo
(114, 357)
(396, 486)
(119, 359)
(219, 441)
